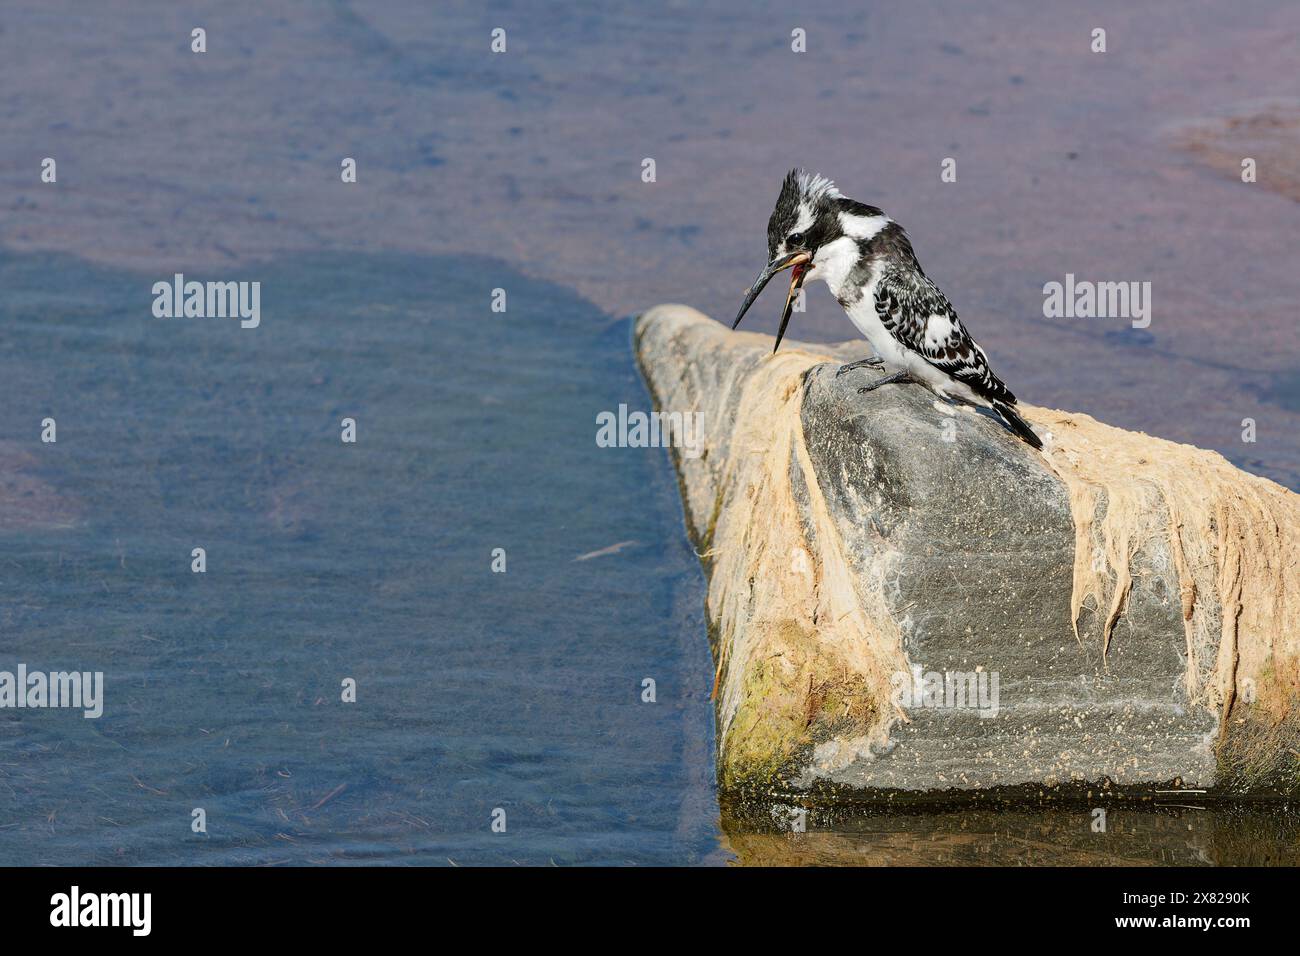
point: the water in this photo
(476, 690)
(1024, 833)
(476, 430)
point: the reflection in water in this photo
(1025, 835)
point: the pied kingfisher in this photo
(866, 259)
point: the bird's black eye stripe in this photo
(794, 239)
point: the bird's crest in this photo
(811, 187)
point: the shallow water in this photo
(522, 690)
(1068, 162)
(1182, 833)
(476, 690)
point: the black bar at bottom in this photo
(335, 905)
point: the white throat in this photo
(835, 260)
(833, 263)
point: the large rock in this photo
(856, 543)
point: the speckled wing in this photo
(916, 313)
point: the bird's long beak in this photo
(799, 261)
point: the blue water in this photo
(476, 690)
(326, 561)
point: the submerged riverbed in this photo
(524, 691)
(476, 690)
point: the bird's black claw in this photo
(887, 380)
(874, 362)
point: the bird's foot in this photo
(874, 362)
(887, 380)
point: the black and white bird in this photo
(867, 260)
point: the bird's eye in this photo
(794, 239)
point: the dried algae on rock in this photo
(1234, 539)
(826, 644)
(795, 661)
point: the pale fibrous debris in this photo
(1233, 537)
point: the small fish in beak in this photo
(798, 261)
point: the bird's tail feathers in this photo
(1017, 424)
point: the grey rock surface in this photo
(979, 541)
(936, 542)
